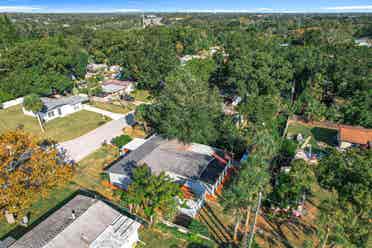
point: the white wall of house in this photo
(130, 88)
(29, 113)
(56, 113)
(120, 180)
(11, 103)
(344, 144)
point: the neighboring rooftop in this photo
(112, 88)
(53, 103)
(117, 82)
(163, 155)
(355, 135)
(95, 223)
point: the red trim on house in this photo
(109, 185)
(219, 158)
(187, 192)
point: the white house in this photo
(58, 107)
(199, 169)
(83, 222)
(113, 89)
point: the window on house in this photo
(59, 111)
(51, 114)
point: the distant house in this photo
(82, 222)
(199, 169)
(94, 68)
(107, 72)
(354, 136)
(152, 20)
(117, 86)
(364, 41)
(58, 107)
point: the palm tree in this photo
(33, 103)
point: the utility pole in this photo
(255, 219)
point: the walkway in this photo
(79, 148)
(109, 114)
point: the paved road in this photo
(79, 148)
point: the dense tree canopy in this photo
(40, 66)
(188, 108)
(349, 174)
(27, 171)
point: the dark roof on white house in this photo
(53, 103)
(164, 155)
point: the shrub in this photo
(197, 227)
(121, 140)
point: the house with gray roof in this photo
(58, 107)
(198, 168)
(82, 222)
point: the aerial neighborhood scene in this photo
(185, 124)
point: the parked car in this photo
(127, 98)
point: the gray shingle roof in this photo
(163, 155)
(53, 103)
(112, 88)
(54, 224)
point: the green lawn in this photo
(141, 95)
(156, 238)
(60, 129)
(327, 136)
(89, 170)
(40, 209)
(114, 108)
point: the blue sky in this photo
(186, 5)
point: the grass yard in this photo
(88, 174)
(136, 131)
(60, 129)
(323, 135)
(156, 238)
(141, 95)
(56, 198)
(114, 108)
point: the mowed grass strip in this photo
(318, 134)
(60, 129)
(141, 95)
(114, 108)
(89, 170)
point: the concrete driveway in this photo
(79, 148)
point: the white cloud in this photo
(347, 8)
(18, 8)
(264, 9)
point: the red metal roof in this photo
(355, 135)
